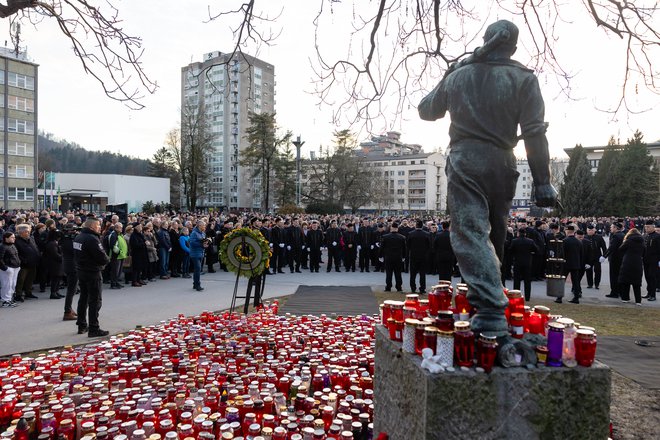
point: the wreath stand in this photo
(247, 267)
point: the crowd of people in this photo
(39, 250)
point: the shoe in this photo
(298, 271)
(115, 287)
(367, 270)
(388, 289)
(98, 333)
(625, 301)
(612, 295)
(596, 287)
(199, 288)
(70, 316)
(328, 270)
(136, 284)
(638, 304)
(163, 277)
(651, 298)
(32, 296)
(19, 299)
(574, 301)
(82, 329)
(280, 271)
(56, 296)
(187, 276)
(559, 301)
(211, 271)
(645, 296)
(337, 270)
(5, 305)
(590, 287)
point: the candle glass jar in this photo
(397, 310)
(408, 344)
(412, 300)
(585, 347)
(486, 352)
(516, 303)
(555, 344)
(461, 302)
(568, 348)
(431, 338)
(463, 344)
(445, 348)
(445, 321)
(398, 331)
(420, 326)
(517, 325)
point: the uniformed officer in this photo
(651, 259)
(90, 260)
(393, 252)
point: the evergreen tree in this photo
(638, 185)
(285, 173)
(577, 191)
(606, 179)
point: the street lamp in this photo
(298, 143)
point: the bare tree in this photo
(106, 52)
(196, 147)
(399, 47)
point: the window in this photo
(20, 193)
(2, 100)
(20, 126)
(21, 81)
(401, 200)
(21, 171)
(401, 173)
(21, 149)
(400, 182)
(20, 103)
(2, 76)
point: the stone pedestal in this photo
(514, 403)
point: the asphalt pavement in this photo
(37, 324)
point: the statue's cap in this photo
(503, 25)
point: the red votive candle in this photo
(463, 344)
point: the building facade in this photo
(522, 200)
(227, 89)
(18, 128)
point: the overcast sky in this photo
(74, 107)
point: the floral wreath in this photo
(233, 253)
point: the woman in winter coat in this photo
(52, 260)
(632, 265)
(128, 265)
(152, 251)
(184, 240)
(212, 250)
(10, 264)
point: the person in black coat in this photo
(9, 266)
(314, 243)
(418, 244)
(295, 241)
(365, 245)
(212, 250)
(615, 258)
(52, 258)
(393, 252)
(30, 256)
(66, 243)
(277, 240)
(176, 256)
(350, 241)
(332, 239)
(140, 258)
(574, 256)
(522, 251)
(632, 256)
(444, 254)
(598, 249)
(651, 259)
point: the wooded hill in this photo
(68, 157)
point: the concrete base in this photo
(515, 403)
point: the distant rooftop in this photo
(649, 145)
(10, 53)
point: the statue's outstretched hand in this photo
(546, 195)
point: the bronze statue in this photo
(489, 95)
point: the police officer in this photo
(90, 259)
(522, 251)
(615, 257)
(393, 252)
(419, 245)
(598, 249)
(651, 259)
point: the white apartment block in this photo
(229, 89)
(522, 200)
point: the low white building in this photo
(96, 191)
(522, 200)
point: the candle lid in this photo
(461, 326)
(584, 327)
(514, 294)
(421, 324)
(517, 317)
(489, 339)
(445, 333)
(542, 310)
(585, 333)
(447, 314)
(412, 296)
(411, 321)
(556, 326)
(568, 322)
(430, 329)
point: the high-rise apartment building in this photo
(227, 89)
(18, 128)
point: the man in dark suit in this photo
(444, 254)
(350, 241)
(651, 259)
(522, 251)
(365, 244)
(419, 245)
(404, 230)
(574, 256)
(332, 239)
(393, 253)
(598, 249)
(615, 258)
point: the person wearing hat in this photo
(393, 252)
(574, 256)
(651, 259)
(598, 249)
(349, 239)
(332, 239)
(418, 244)
(314, 243)
(615, 258)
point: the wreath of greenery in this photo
(242, 248)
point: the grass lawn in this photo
(626, 320)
